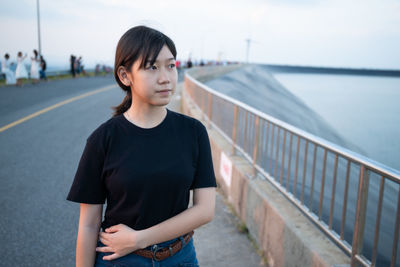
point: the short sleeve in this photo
(204, 174)
(88, 186)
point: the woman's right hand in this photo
(120, 240)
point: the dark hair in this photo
(35, 52)
(138, 43)
(7, 56)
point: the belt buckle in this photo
(155, 251)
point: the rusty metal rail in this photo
(353, 199)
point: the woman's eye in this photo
(171, 65)
(152, 67)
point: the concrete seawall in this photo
(282, 232)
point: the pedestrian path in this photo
(220, 243)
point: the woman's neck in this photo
(146, 116)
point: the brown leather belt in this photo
(160, 253)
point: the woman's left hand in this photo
(120, 240)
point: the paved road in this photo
(38, 159)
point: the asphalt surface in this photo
(38, 160)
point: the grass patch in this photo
(242, 228)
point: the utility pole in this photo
(248, 41)
(38, 25)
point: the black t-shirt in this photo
(144, 174)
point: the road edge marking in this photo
(37, 113)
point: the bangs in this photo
(143, 44)
(151, 49)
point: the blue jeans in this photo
(185, 257)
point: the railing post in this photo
(277, 151)
(255, 147)
(358, 236)
(203, 112)
(210, 99)
(346, 193)
(234, 129)
(246, 113)
(396, 232)
(290, 160)
(378, 221)
(272, 148)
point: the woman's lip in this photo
(162, 91)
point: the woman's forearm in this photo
(121, 239)
(178, 225)
(86, 246)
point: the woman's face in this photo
(154, 84)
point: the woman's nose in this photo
(164, 76)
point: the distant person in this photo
(72, 62)
(189, 63)
(106, 70)
(78, 66)
(43, 67)
(21, 72)
(35, 61)
(143, 162)
(97, 69)
(6, 69)
(81, 66)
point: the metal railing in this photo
(353, 199)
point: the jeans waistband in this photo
(166, 243)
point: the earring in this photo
(126, 82)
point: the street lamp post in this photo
(248, 41)
(38, 24)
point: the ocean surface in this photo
(363, 110)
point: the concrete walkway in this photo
(220, 243)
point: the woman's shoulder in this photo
(104, 131)
(185, 120)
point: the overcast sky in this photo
(339, 33)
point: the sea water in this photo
(365, 110)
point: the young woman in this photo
(144, 161)
(20, 72)
(35, 61)
(6, 69)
